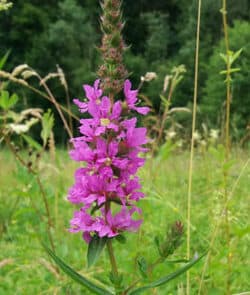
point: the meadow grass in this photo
(26, 269)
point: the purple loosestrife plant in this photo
(109, 147)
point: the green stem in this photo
(114, 269)
(190, 174)
(112, 258)
(227, 146)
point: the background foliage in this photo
(162, 34)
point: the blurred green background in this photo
(161, 34)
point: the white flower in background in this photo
(197, 136)
(4, 5)
(203, 143)
(214, 134)
(179, 143)
(166, 82)
(171, 134)
(149, 77)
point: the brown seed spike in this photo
(112, 72)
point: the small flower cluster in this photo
(109, 145)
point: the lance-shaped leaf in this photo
(47, 125)
(4, 59)
(7, 101)
(31, 142)
(143, 266)
(167, 278)
(95, 248)
(76, 276)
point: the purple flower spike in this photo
(108, 148)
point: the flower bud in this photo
(172, 240)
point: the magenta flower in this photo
(109, 148)
(131, 99)
(120, 222)
(93, 94)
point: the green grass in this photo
(26, 269)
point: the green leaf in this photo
(143, 266)
(231, 57)
(95, 248)
(31, 142)
(228, 165)
(177, 261)
(13, 100)
(241, 232)
(178, 80)
(47, 125)
(224, 72)
(218, 153)
(121, 239)
(76, 276)
(167, 278)
(165, 102)
(4, 59)
(116, 280)
(166, 149)
(236, 55)
(224, 57)
(6, 101)
(157, 243)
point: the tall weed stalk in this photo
(192, 143)
(227, 145)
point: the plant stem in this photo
(53, 100)
(112, 257)
(227, 146)
(114, 269)
(192, 142)
(46, 204)
(228, 95)
(164, 116)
